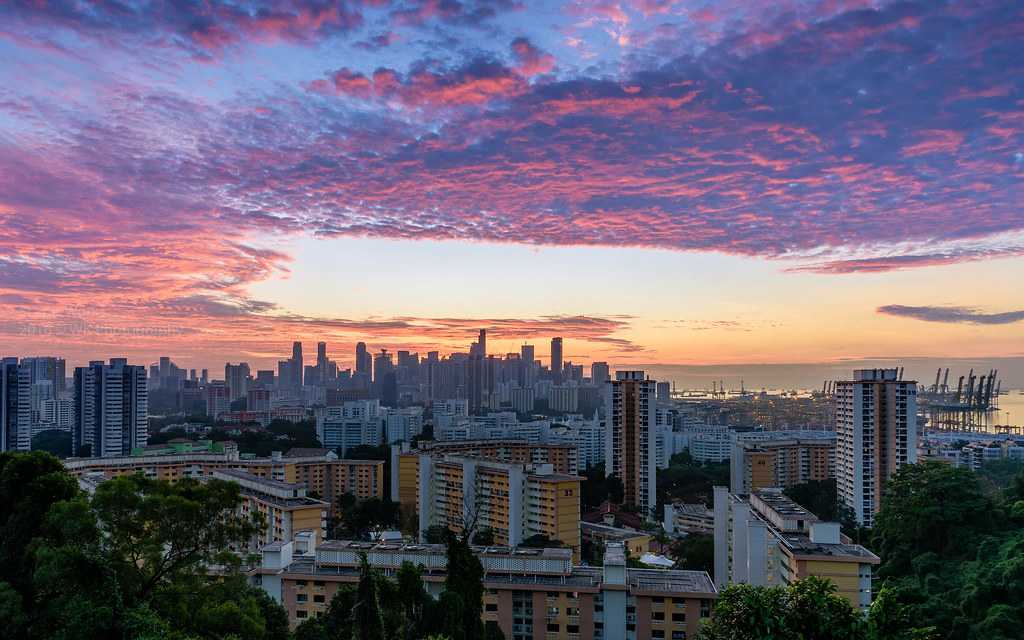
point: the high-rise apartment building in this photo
(15, 406)
(218, 399)
(556, 360)
(876, 434)
(237, 378)
(111, 408)
(630, 442)
(599, 373)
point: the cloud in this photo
(834, 137)
(531, 60)
(952, 315)
(475, 83)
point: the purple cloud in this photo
(964, 315)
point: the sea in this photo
(811, 376)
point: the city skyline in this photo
(657, 182)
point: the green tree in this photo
(53, 441)
(368, 621)
(696, 552)
(484, 537)
(808, 609)
(30, 483)
(435, 534)
(930, 507)
(463, 596)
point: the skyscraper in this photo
(237, 378)
(296, 365)
(630, 442)
(364, 362)
(556, 360)
(476, 373)
(321, 362)
(111, 408)
(15, 406)
(876, 434)
(599, 373)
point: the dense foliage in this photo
(686, 480)
(695, 552)
(127, 562)
(808, 609)
(953, 553)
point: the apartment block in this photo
(317, 471)
(515, 501)
(876, 434)
(630, 442)
(564, 458)
(766, 539)
(766, 459)
(529, 593)
(286, 509)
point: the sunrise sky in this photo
(655, 181)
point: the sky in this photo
(657, 181)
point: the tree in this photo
(129, 562)
(930, 507)
(53, 441)
(367, 617)
(541, 541)
(435, 534)
(484, 537)
(696, 552)
(155, 532)
(30, 483)
(464, 590)
(807, 609)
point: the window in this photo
(301, 597)
(657, 633)
(658, 615)
(318, 598)
(490, 606)
(678, 617)
(300, 614)
(553, 628)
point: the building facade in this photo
(876, 434)
(514, 501)
(528, 593)
(285, 508)
(766, 459)
(766, 539)
(318, 472)
(111, 408)
(630, 442)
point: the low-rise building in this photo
(765, 538)
(683, 519)
(285, 507)
(636, 543)
(765, 459)
(529, 593)
(318, 471)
